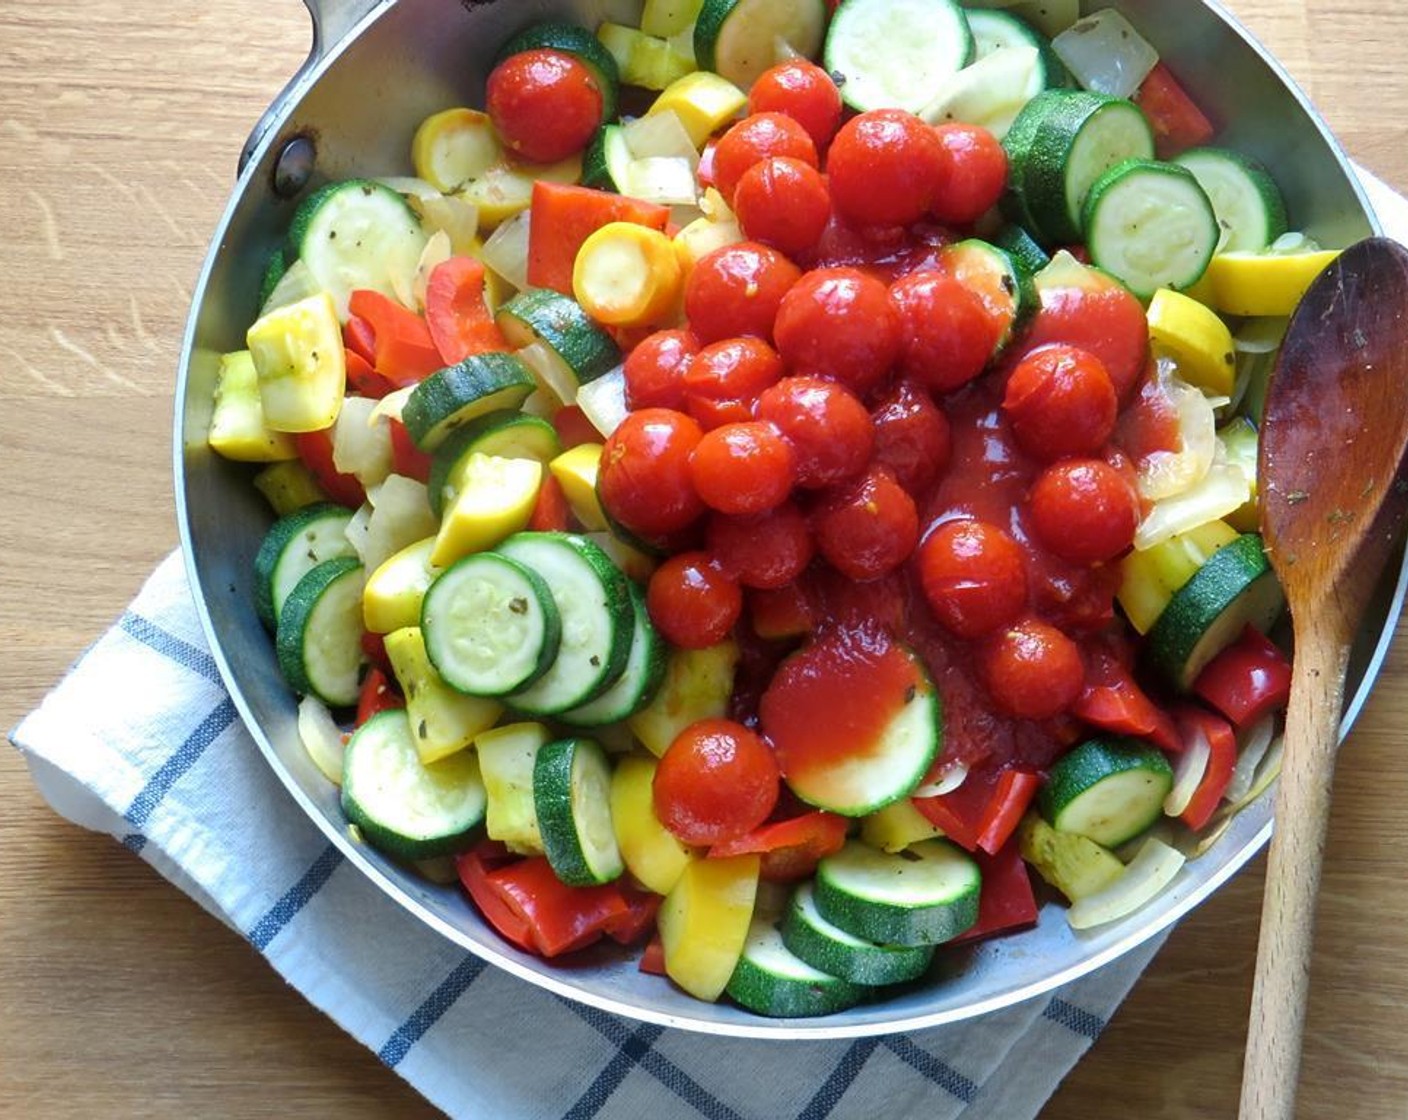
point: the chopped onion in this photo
(660, 135)
(391, 405)
(397, 516)
(436, 252)
(1293, 242)
(295, 284)
(947, 780)
(1106, 54)
(506, 250)
(990, 92)
(714, 205)
(1225, 489)
(1146, 877)
(668, 180)
(410, 186)
(454, 216)
(321, 738)
(1266, 773)
(1257, 743)
(603, 400)
(1165, 474)
(1188, 774)
(1261, 335)
(632, 562)
(361, 444)
(555, 379)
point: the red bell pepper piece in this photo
(1222, 760)
(639, 918)
(315, 449)
(403, 348)
(473, 867)
(960, 813)
(374, 646)
(406, 458)
(573, 428)
(560, 918)
(359, 338)
(456, 313)
(791, 848)
(652, 960)
(1248, 679)
(379, 694)
(551, 513)
(1009, 801)
(1112, 701)
(563, 217)
(363, 381)
(1177, 121)
(1006, 900)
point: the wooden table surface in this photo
(119, 997)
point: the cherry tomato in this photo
(1084, 510)
(1032, 670)
(737, 290)
(973, 175)
(573, 428)
(545, 104)
(867, 528)
(724, 380)
(912, 437)
(974, 576)
(655, 369)
(783, 202)
(884, 168)
(717, 781)
(692, 602)
(645, 482)
(764, 552)
(826, 425)
(947, 333)
(803, 91)
(754, 139)
(839, 323)
(1099, 316)
(743, 468)
(1060, 401)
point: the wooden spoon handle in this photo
(1293, 877)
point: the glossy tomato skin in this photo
(973, 173)
(1060, 401)
(654, 370)
(1084, 510)
(716, 782)
(784, 203)
(756, 138)
(803, 91)
(839, 323)
(1031, 669)
(644, 482)
(947, 334)
(912, 437)
(545, 104)
(1101, 317)
(744, 468)
(766, 551)
(737, 290)
(974, 577)
(826, 424)
(884, 167)
(725, 379)
(692, 602)
(867, 528)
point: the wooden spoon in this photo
(1334, 493)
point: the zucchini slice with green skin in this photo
(605, 162)
(580, 43)
(1107, 790)
(319, 637)
(294, 545)
(450, 398)
(564, 346)
(995, 278)
(1151, 226)
(770, 979)
(1029, 257)
(896, 54)
(409, 809)
(739, 39)
(504, 434)
(639, 681)
(1234, 588)
(925, 895)
(828, 947)
(1249, 205)
(598, 621)
(572, 796)
(491, 625)
(273, 272)
(993, 30)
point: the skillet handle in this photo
(332, 20)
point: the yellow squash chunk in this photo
(1075, 865)
(395, 591)
(627, 275)
(1149, 579)
(301, 365)
(237, 428)
(697, 685)
(1240, 442)
(443, 721)
(507, 188)
(495, 501)
(1263, 283)
(453, 146)
(704, 922)
(647, 61)
(703, 101)
(653, 854)
(897, 826)
(1195, 339)
(288, 486)
(507, 756)
(702, 236)
(576, 471)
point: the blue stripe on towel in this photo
(430, 1011)
(940, 1073)
(170, 646)
(185, 756)
(1073, 1018)
(835, 1086)
(629, 1054)
(295, 898)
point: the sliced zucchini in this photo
(582, 44)
(558, 339)
(925, 895)
(1107, 790)
(504, 434)
(990, 92)
(697, 685)
(994, 30)
(739, 39)
(274, 269)
(1029, 257)
(293, 546)
(1249, 205)
(828, 947)
(409, 809)
(607, 160)
(666, 18)
(450, 398)
(507, 756)
(639, 681)
(319, 635)
(772, 980)
(995, 278)
(572, 796)
(896, 54)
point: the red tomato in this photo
(654, 370)
(912, 437)
(692, 603)
(551, 512)
(783, 202)
(790, 848)
(754, 139)
(545, 104)
(867, 528)
(973, 175)
(1060, 401)
(803, 91)
(725, 379)
(645, 483)
(947, 333)
(717, 781)
(884, 168)
(826, 424)
(1084, 510)
(1032, 670)
(743, 468)
(839, 323)
(974, 577)
(737, 290)
(1099, 316)
(767, 551)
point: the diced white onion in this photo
(294, 285)
(1294, 242)
(410, 186)
(455, 217)
(1146, 877)
(1223, 490)
(603, 401)
(395, 516)
(946, 781)
(391, 405)
(1188, 773)
(1262, 335)
(1106, 54)
(361, 444)
(436, 252)
(668, 180)
(1165, 474)
(660, 135)
(506, 250)
(321, 738)
(1257, 742)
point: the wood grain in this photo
(119, 129)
